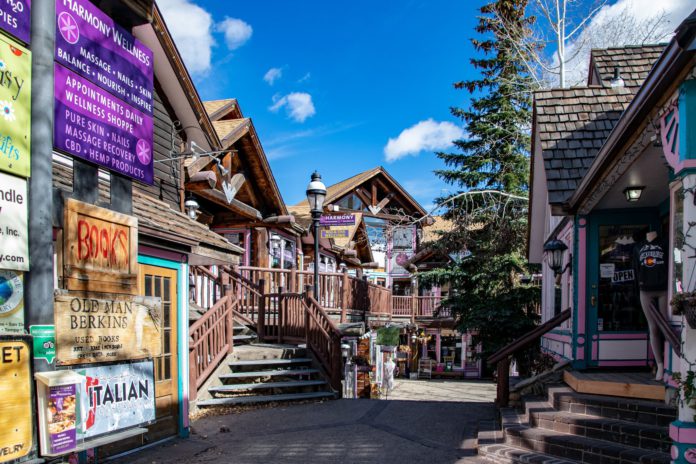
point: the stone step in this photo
(610, 407)
(270, 373)
(265, 399)
(577, 448)
(647, 437)
(269, 362)
(244, 338)
(265, 385)
(506, 454)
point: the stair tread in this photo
(620, 402)
(258, 386)
(599, 422)
(243, 337)
(264, 398)
(264, 362)
(511, 454)
(272, 373)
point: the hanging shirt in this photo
(650, 263)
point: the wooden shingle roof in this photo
(572, 125)
(217, 109)
(634, 63)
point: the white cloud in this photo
(298, 105)
(191, 26)
(304, 78)
(273, 75)
(236, 31)
(426, 135)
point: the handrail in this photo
(324, 339)
(529, 337)
(666, 329)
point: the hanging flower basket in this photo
(684, 304)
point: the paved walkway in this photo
(422, 421)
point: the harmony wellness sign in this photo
(15, 107)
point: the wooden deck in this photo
(626, 384)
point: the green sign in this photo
(15, 107)
(44, 342)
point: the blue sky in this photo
(342, 87)
(372, 69)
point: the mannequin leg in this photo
(656, 341)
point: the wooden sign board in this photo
(16, 426)
(100, 249)
(102, 328)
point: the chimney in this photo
(616, 81)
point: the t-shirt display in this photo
(651, 265)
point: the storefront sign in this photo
(11, 302)
(403, 237)
(15, 107)
(44, 340)
(398, 262)
(14, 242)
(15, 18)
(335, 233)
(100, 249)
(337, 220)
(91, 44)
(16, 426)
(62, 418)
(91, 328)
(625, 275)
(118, 397)
(92, 124)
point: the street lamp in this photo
(316, 193)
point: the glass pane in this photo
(167, 342)
(158, 368)
(148, 285)
(166, 308)
(166, 295)
(158, 286)
(618, 305)
(167, 367)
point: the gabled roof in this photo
(572, 125)
(223, 109)
(434, 231)
(340, 189)
(634, 63)
(231, 130)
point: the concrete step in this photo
(610, 407)
(244, 338)
(269, 362)
(265, 399)
(265, 385)
(270, 373)
(255, 351)
(506, 454)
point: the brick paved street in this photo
(423, 421)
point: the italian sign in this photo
(44, 340)
(92, 124)
(118, 396)
(100, 249)
(15, 18)
(91, 44)
(15, 106)
(16, 427)
(11, 302)
(96, 329)
(14, 241)
(337, 220)
(61, 413)
(334, 233)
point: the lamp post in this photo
(316, 193)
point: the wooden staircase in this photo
(570, 427)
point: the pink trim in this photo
(582, 275)
(667, 128)
(595, 350)
(623, 336)
(683, 435)
(558, 337)
(622, 363)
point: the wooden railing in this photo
(324, 339)
(211, 340)
(402, 305)
(502, 356)
(666, 328)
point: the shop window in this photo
(282, 252)
(451, 349)
(619, 306)
(160, 286)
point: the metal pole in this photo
(38, 294)
(315, 223)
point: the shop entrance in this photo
(616, 326)
(161, 282)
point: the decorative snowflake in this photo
(7, 110)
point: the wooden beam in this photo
(363, 196)
(374, 192)
(384, 202)
(236, 206)
(202, 179)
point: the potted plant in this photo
(684, 304)
(686, 386)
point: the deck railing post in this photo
(261, 317)
(193, 375)
(229, 297)
(503, 390)
(345, 295)
(282, 303)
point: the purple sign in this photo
(96, 126)
(62, 418)
(337, 220)
(91, 44)
(15, 18)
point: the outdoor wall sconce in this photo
(633, 193)
(192, 207)
(555, 250)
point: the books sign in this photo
(93, 328)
